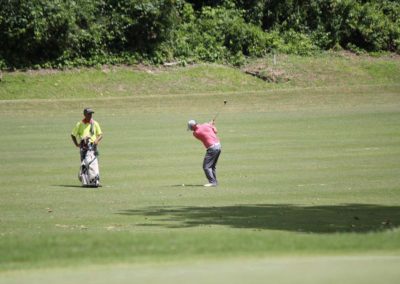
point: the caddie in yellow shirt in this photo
(87, 132)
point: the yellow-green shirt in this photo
(82, 130)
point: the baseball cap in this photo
(190, 124)
(88, 110)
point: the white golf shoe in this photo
(210, 185)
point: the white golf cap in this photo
(190, 124)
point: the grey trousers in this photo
(210, 163)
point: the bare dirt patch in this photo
(267, 73)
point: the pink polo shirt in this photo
(206, 133)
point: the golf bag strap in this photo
(88, 164)
(91, 128)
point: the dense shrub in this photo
(33, 31)
(140, 25)
(62, 33)
(222, 34)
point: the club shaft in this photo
(216, 115)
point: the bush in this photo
(377, 30)
(218, 34)
(297, 43)
(33, 31)
(64, 33)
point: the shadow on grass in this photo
(358, 218)
(187, 185)
(78, 186)
(69, 185)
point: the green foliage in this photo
(66, 33)
(369, 25)
(140, 25)
(297, 43)
(217, 34)
(82, 32)
(32, 31)
(376, 30)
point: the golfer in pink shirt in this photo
(207, 133)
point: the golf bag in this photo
(89, 173)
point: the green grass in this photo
(331, 69)
(126, 82)
(327, 70)
(309, 182)
(285, 270)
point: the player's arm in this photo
(74, 140)
(99, 134)
(214, 128)
(98, 139)
(75, 134)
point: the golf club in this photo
(216, 115)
